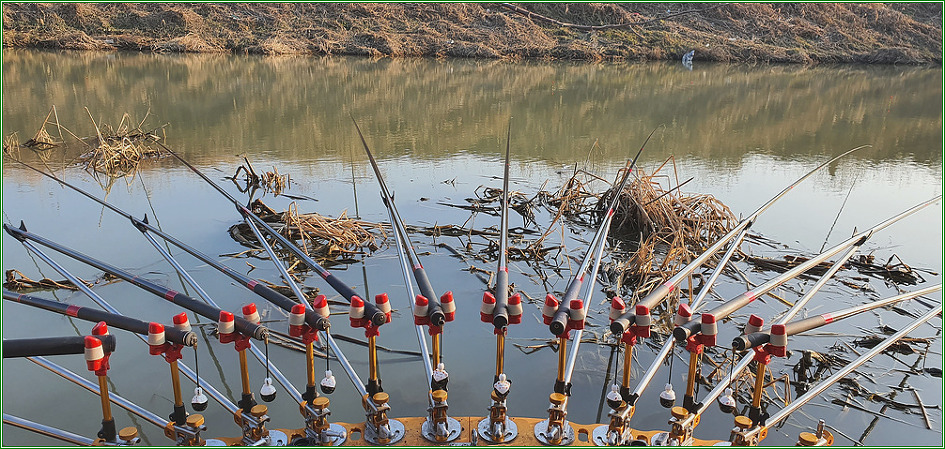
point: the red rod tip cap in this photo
(756, 320)
(180, 318)
(778, 329)
(92, 342)
(708, 318)
(100, 328)
(155, 328)
(226, 316)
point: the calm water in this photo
(438, 128)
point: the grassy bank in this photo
(757, 32)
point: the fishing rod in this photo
(500, 310)
(558, 322)
(439, 427)
(437, 312)
(623, 402)
(683, 332)
(555, 430)
(171, 334)
(371, 311)
(248, 415)
(773, 342)
(569, 315)
(241, 325)
(53, 432)
(314, 320)
(232, 329)
(684, 422)
(97, 348)
(318, 431)
(621, 321)
(379, 429)
(652, 299)
(687, 417)
(702, 331)
(185, 434)
(44, 346)
(761, 338)
(747, 433)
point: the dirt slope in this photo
(757, 32)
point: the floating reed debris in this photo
(118, 151)
(15, 281)
(270, 181)
(316, 234)
(658, 219)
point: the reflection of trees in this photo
(298, 107)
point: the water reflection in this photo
(298, 107)
(743, 132)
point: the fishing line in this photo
(616, 361)
(327, 354)
(266, 344)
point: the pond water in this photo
(438, 128)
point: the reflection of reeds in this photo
(270, 181)
(120, 150)
(11, 145)
(42, 141)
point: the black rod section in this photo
(43, 346)
(242, 325)
(172, 334)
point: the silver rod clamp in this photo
(318, 431)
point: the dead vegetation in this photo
(331, 239)
(901, 33)
(118, 151)
(113, 151)
(269, 181)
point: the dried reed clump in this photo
(270, 181)
(316, 234)
(11, 145)
(667, 221)
(41, 141)
(119, 151)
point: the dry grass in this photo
(667, 227)
(118, 151)
(755, 32)
(319, 236)
(270, 181)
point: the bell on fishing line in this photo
(502, 386)
(668, 396)
(199, 402)
(328, 383)
(440, 378)
(727, 401)
(614, 400)
(267, 392)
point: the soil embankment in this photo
(897, 33)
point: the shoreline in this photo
(738, 33)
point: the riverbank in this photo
(757, 32)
